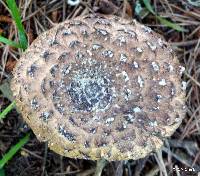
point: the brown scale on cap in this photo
(100, 87)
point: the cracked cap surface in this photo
(100, 86)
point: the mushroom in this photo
(100, 87)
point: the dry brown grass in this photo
(181, 151)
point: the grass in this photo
(23, 43)
(14, 11)
(10, 42)
(7, 110)
(2, 172)
(163, 20)
(182, 149)
(9, 155)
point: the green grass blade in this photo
(14, 150)
(16, 16)
(170, 24)
(7, 110)
(9, 42)
(149, 6)
(2, 172)
(162, 20)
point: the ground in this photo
(180, 154)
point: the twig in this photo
(140, 166)
(44, 159)
(119, 169)
(100, 166)
(192, 79)
(154, 171)
(188, 162)
(185, 43)
(190, 146)
(86, 172)
(177, 170)
(61, 164)
(32, 153)
(160, 162)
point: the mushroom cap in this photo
(100, 87)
